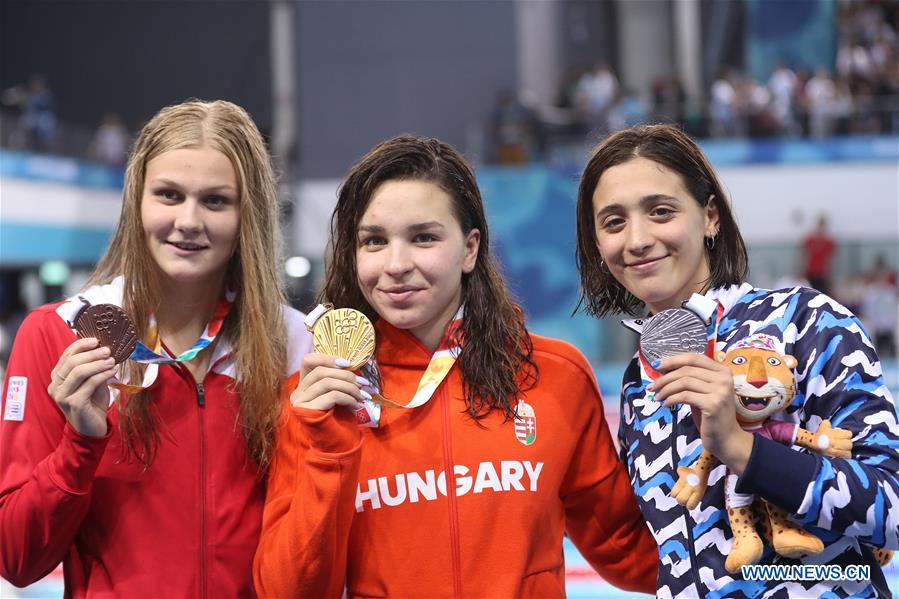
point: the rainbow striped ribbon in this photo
(154, 357)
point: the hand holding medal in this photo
(349, 335)
(691, 329)
(344, 341)
(113, 328)
(676, 353)
(110, 325)
(106, 337)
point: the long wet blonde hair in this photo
(254, 327)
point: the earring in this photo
(710, 240)
(602, 265)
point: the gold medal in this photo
(345, 333)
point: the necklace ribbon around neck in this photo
(142, 353)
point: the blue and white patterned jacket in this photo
(851, 504)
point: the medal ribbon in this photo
(156, 356)
(442, 360)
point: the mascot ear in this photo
(790, 361)
(720, 356)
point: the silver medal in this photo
(672, 332)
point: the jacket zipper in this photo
(451, 494)
(201, 437)
(201, 402)
(675, 459)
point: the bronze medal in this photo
(111, 326)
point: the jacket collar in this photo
(726, 296)
(398, 347)
(113, 293)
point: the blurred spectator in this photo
(110, 143)
(726, 108)
(853, 60)
(669, 100)
(883, 50)
(819, 249)
(879, 308)
(633, 109)
(854, 92)
(514, 130)
(567, 90)
(595, 95)
(761, 121)
(865, 114)
(783, 85)
(37, 123)
(821, 95)
(849, 291)
(843, 108)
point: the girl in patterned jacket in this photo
(500, 446)
(157, 490)
(655, 227)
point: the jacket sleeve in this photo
(839, 378)
(602, 517)
(310, 504)
(46, 467)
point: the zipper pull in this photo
(201, 395)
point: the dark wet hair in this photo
(496, 358)
(601, 293)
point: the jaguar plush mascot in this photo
(764, 385)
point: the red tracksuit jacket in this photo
(186, 527)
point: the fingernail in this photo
(650, 387)
(104, 351)
(656, 363)
(365, 394)
(341, 363)
(363, 381)
(109, 361)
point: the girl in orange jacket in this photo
(502, 447)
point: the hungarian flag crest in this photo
(525, 423)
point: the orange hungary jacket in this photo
(433, 503)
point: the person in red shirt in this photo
(819, 249)
(157, 490)
(498, 447)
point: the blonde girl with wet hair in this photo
(117, 483)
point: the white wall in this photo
(24, 201)
(780, 203)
